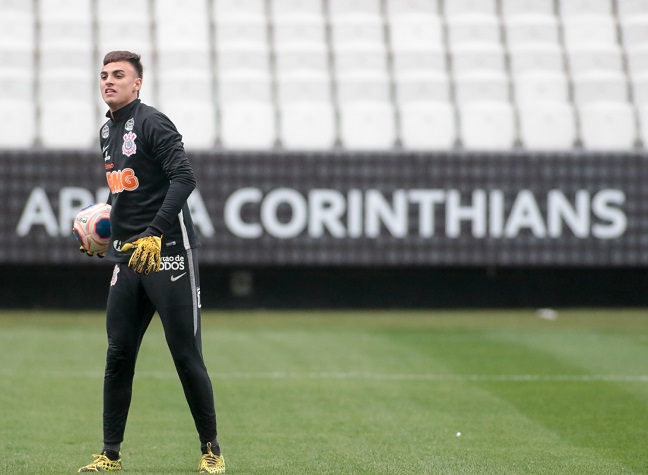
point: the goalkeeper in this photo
(153, 245)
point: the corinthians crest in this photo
(129, 147)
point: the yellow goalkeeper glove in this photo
(146, 257)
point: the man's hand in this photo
(146, 257)
(99, 254)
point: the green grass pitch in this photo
(343, 393)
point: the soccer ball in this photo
(92, 227)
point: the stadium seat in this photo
(422, 87)
(248, 126)
(421, 59)
(634, 31)
(482, 86)
(547, 126)
(237, 8)
(631, 8)
(592, 58)
(194, 119)
(361, 58)
(604, 86)
(487, 126)
(245, 86)
(303, 86)
(126, 34)
(583, 30)
(360, 30)
(539, 87)
(294, 30)
(428, 126)
(470, 58)
(241, 30)
(17, 32)
(112, 12)
(18, 58)
(68, 123)
(72, 57)
(16, 85)
(468, 29)
(607, 126)
(396, 8)
(531, 29)
(289, 8)
(311, 57)
(468, 7)
(197, 59)
(20, 131)
(415, 31)
(363, 86)
(536, 57)
(188, 85)
(640, 89)
(307, 126)
(367, 125)
(340, 8)
(66, 10)
(575, 8)
(643, 120)
(173, 11)
(243, 58)
(184, 34)
(512, 8)
(637, 59)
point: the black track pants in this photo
(174, 293)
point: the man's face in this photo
(119, 84)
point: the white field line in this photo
(355, 376)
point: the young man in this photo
(153, 245)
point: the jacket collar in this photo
(124, 112)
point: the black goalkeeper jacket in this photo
(149, 177)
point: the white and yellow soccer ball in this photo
(92, 227)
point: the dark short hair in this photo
(132, 58)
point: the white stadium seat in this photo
(361, 58)
(415, 31)
(428, 126)
(241, 30)
(531, 29)
(340, 8)
(587, 29)
(311, 57)
(637, 59)
(470, 58)
(300, 87)
(536, 57)
(237, 8)
(512, 8)
(482, 86)
(631, 8)
(606, 86)
(360, 30)
(538, 87)
(66, 10)
(68, 123)
(467, 29)
(569, 8)
(420, 59)
(295, 30)
(607, 126)
(307, 126)
(487, 126)
(367, 125)
(640, 89)
(423, 87)
(243, 87)
(547, 126)
(643, 119)
(396, 8)
(194, 119)
(288, 8)
(634, 31)
(248, 126)
(20, 131)
(594, 57)
(468, 7)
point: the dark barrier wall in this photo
(385, 210)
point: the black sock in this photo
(111, 451)
(215, 448)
